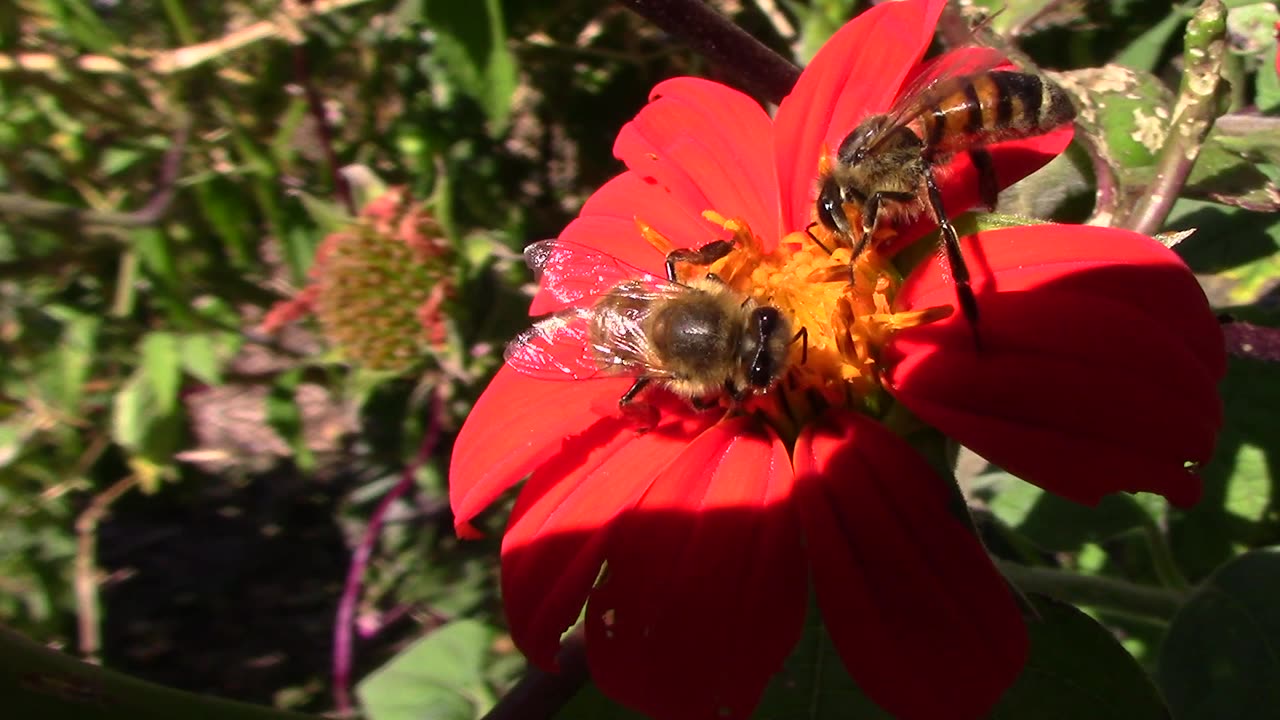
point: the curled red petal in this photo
(516, 424)
(1105, 262)
(920, 617)
(1078, 393)
(554, 544)
(856, 73)
(710, 146)
(704, 592)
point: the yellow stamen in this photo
(845, 308)
(659, 241)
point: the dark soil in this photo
(225, 588)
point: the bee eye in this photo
(831, 210)
(828, 205)
(762, 366)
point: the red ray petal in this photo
(630, 196)
(711, 146)
(919, 615)
(516, 424)
(554, 544)
(1075, 392)
(857, 72)
(1122, 265)
(705, 591)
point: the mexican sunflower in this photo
(694, 542)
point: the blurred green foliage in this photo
(168, 171)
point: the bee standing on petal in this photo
(699, 339)
(886, 167)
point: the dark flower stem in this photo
(324, 132)
(752, 65)
(84, 220)
(1247, 340)
(344, 623)
(1204, 51)
(1115, 596)
(1106, 197)
(541, 694)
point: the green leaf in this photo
(129, 413)
(202, 354)
(1144, 52)
(1240, 486)
(139, 426)
(1252, 28)
(162, 367)
(222, 204)
(818, 21)
(285, 417)
(1221, 658)
(1056, 524)
(78, 18)
(471, 45)
(441, 676)
(1239, 245)
(37, 682)
(1268, 98)
(1232, 177)
(157, 255)
(68, 366)
(1078, 670)
(1127, 109)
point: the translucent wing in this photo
(606, 340)
(934, 81)
(573, 273)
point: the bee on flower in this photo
(695, 538)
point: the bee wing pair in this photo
(583, 342)
(934, 81)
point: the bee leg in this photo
(871, 218)
(633, 391)
(735, 394)
(704, 255)
(809, 231)
(643, 415)
(702, 404)
(988, 185)
(955, 259)
(803, 336)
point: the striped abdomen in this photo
(990, 107)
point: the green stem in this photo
(181, 23)
(1193, 115)
(1162, 562)
(1114, 596)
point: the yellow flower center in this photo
(844, 312)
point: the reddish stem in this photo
(751, 63)
(315, 108)
(344, 624)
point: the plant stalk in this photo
(753, 66)
(1205, 49)
(1115, 596)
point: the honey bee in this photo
(698, 339)
(887, 166)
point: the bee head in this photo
(831, 208)
(764, 347)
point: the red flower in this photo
(1096, 374)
